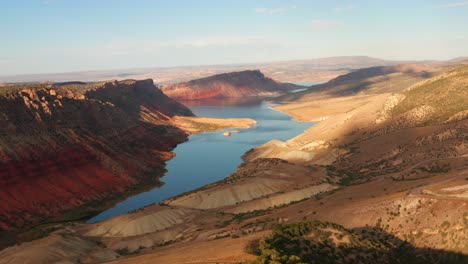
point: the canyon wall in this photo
(72, 145)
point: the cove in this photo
(209, 157)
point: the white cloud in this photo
(120, 47)
(325, 24)
(273, 11)
(453, 4)
(344, 8)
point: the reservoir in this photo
(209, 157)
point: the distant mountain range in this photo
(460, 60)
(312, 70)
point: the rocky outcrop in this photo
(67, 146)
(386, 111)
(458, 116)
(234, 84)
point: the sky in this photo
(52, 36)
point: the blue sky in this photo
(42, 36)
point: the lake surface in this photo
(210, 157)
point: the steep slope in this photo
(369, 132)
(446, 95)
(69, 146)
(234, 84)
(421, 131)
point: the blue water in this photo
(210, 157)
(308, 84)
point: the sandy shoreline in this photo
(202, 124)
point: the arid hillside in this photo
(401, 157)
(226, 85)
(373, 80)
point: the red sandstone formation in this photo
(68, 145)
(234, 84)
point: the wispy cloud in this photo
(273, 11)
(325, 24)
(119, 47)
(344, 8)
(452, 4)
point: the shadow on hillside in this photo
(325, 242)
(241, 101)
(354, 82)
(131, 96)
(405, 252)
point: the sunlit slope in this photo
(445, 96)
(374, 80)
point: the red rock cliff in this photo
(65, 146)
(234, 84)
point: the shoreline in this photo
(295, 117)
(203, 124)
(220, 124)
